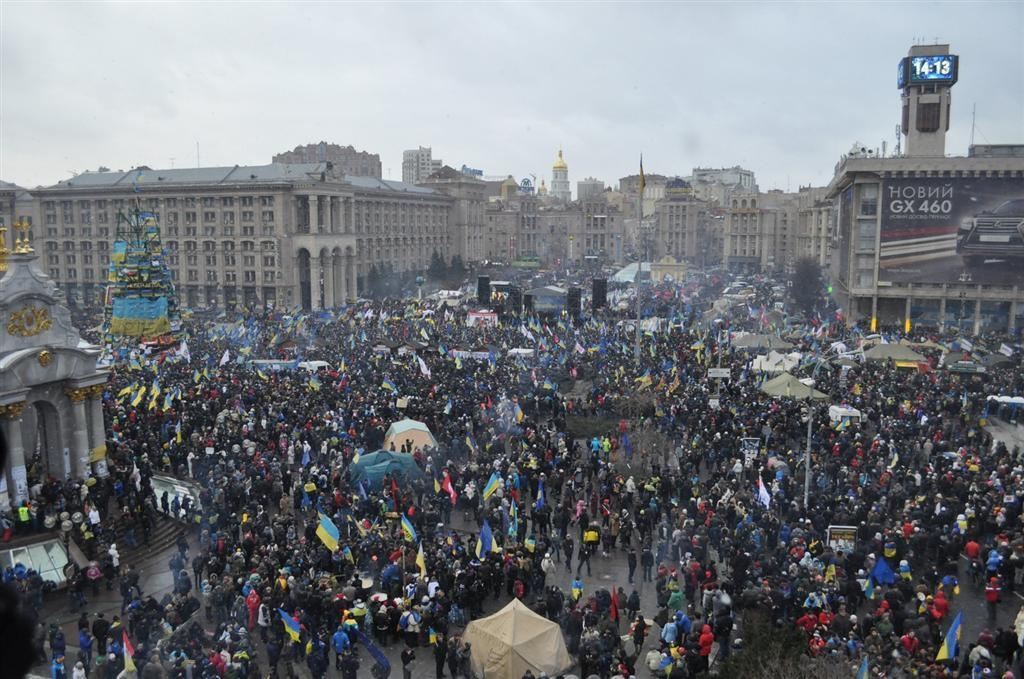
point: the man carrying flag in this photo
(492, 485)
(129, 652)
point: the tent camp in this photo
(756, 341)
(776, 362)
(409, 430)
(513, 640)
(373, 466)
(895, 352)
(787, 386)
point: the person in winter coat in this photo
(79, 671)
(252, 602)
(57, 670)
(707, 638)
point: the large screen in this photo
(941, 69)
(939, 230)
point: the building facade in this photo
(681, 227)
(418, 164)
(346, 159)
(814, 228)
(466, 223)
(524, 226)
(906, 229)
(287, 235)
(589, 188)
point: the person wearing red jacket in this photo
(252, 602)
(910, 643)
(992, 591)
(940, 606)
(807, 622)
(707, 638)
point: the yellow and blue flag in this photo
(389, 385)
(862, 673)
(328, 532)
(492, 485)
(950, 645)
(408, 530)
(291, 626)
(485, 543)
(421, 561)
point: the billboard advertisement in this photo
(952, 230)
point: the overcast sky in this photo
(780, 89)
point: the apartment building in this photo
(292, 235)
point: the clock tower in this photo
(926, 77)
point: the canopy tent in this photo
(776, 362)
(996, 361)
(895, 352)
(372, 467)
(409, 430)
(513, 640)
(757, 341)
(923, 344)
(788, 386)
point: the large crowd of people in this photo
(583, 443)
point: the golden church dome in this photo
(560, 162)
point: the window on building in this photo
(868, 200)
(247, 215)
(72, 273)
(269, 261)
(193, 275)
(209, 216)
(208, 201)
(250, 276)
(268, 215)
(246, 200)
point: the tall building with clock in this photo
(926, 77)
(560, 179)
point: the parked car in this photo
(998, 233)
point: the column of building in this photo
(314, 213)
(80, 451)
(17, 488)
(97, 429)
(329, 301)
(315, 300)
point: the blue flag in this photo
(541, 499)
(882, 573)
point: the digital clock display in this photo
(941, 69)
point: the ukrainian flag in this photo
(492, 485)
(389, 385)
(290, 625)
(407, 529)
(432, 635)
(127, 390)
(328, 532)
(862, 673)
(195, 376)
(138, 397)
(950, 644)
(421, 561)
(530, 544)
(485, 543)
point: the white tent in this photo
(776, 362)
(513, 640)
(409, 430)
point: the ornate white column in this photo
(341, 278)
(296, 281)
(315, 300)
(17, 490)
(97, 430)
(353, 279)
(314, 214)
(79, 433)
(350, 220)
(329, 282)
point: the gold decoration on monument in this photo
(44, 357)
(4, 251)
(95, 391)
(77, 395)
(29, 321)
(12, 410)
(22, 245)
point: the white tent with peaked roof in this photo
(513, 640)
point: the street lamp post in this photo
(807, 447)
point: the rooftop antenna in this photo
(172, 162)
(974, 112)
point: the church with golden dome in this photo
(560, 180)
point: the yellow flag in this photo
(421, 561)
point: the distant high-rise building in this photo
(345, 158)
(560, 188)
(418, 164)
(926, 77)
(589, 188)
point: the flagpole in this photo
(640, 264)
